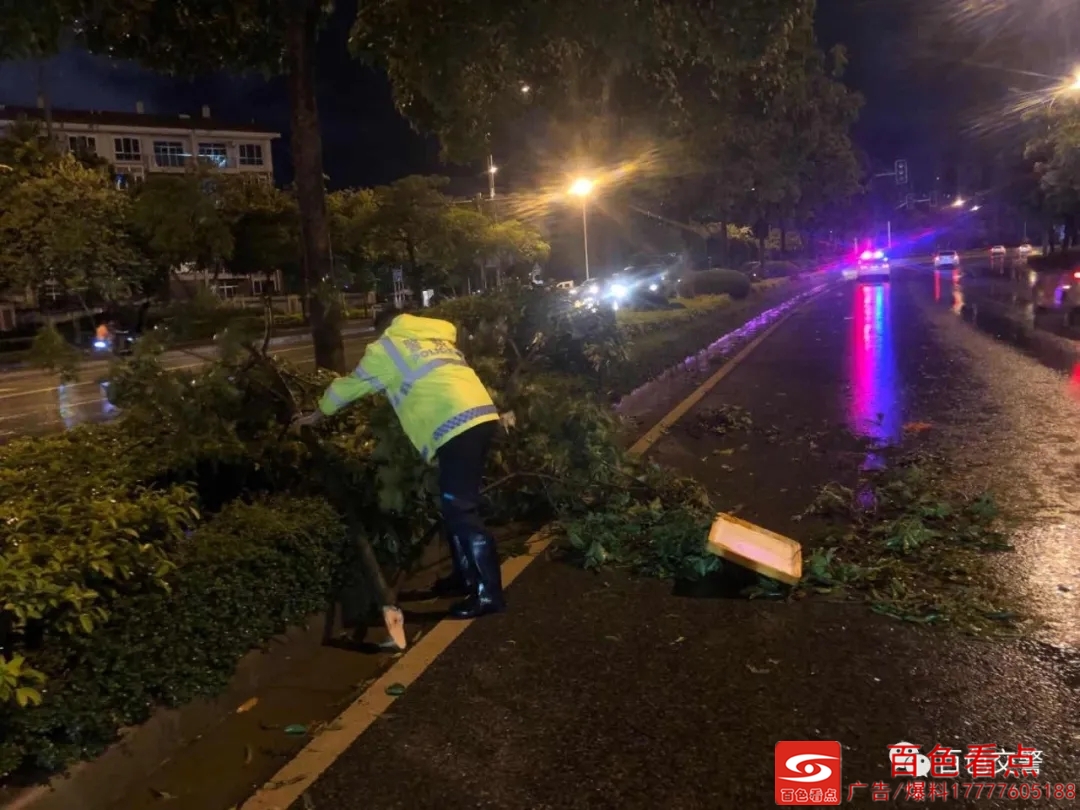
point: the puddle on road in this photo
(662, 389)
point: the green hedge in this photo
(718, 281)
(239, 578)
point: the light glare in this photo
(581, 187)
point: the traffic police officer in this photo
(449, 416)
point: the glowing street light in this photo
(958, 202)
(976, 207)
(1075, 86)
(525, 89)
(491, 169)
(582, 187)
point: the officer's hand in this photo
(508, 420)
(307, 419)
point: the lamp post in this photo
(582, 187)
(491, 169)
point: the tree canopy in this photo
(66, 224)
(1055, 154)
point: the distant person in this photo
(449, 416)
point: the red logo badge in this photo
(807, 772)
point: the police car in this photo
(872, 264)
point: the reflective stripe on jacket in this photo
(433, 390)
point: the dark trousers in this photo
(461, 469)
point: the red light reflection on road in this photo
(875, 407)
(937, 286)
(1074, 382)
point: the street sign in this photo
(398, 277)
(901, 173)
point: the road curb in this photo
(301, 772)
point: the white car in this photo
(998, 250)
(946, 258)
(1024, 249)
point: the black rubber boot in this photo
(487, 593)
(458, 583)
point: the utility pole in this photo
(43, 95)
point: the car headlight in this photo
(618, 290)
(654, 287)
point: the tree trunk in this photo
(324, 311)
(416, 275)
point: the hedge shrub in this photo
(246, 574)
(718, 281)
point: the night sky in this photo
(922, 95)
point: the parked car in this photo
(1024, 249)
(946, 258)
(998, 251)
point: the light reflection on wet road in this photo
(875, 408)
(1010, 422)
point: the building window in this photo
(128, 150)
(214, 153)
(126, 177)
(82, 144)
(262, 286)
(169, 153)
(53, 291)
(251, 154)
(224, 290)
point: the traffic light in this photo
(901, 173)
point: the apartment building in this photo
(136, 143)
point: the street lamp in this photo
(491, 169)
(958, 202)
(582, 187)
(1066, 89)
(976, 207)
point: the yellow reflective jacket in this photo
(433, 390)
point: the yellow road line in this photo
(301, 772)
(645, 443)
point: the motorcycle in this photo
(119, 342)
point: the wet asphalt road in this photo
(31, 402)
(599, 690)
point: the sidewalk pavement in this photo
(601, 690)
